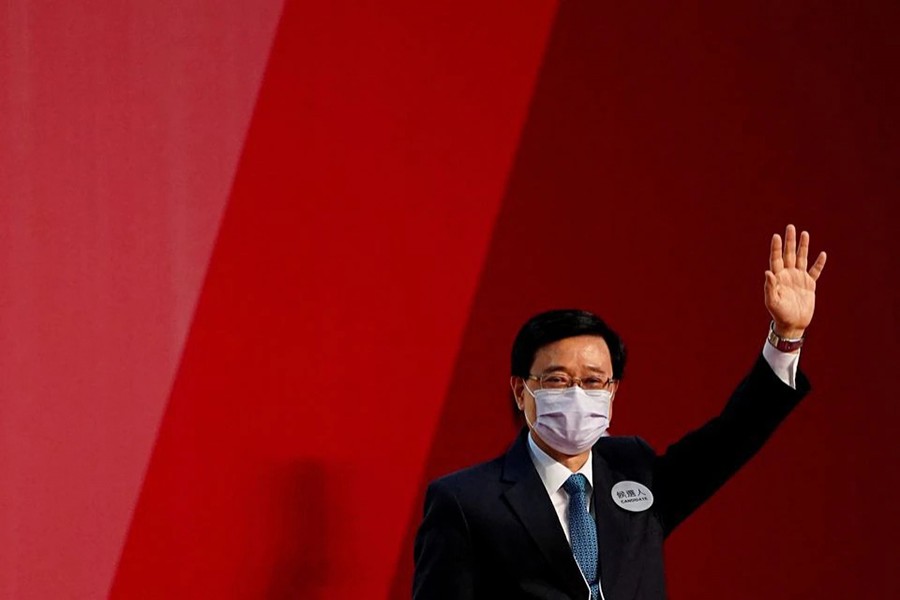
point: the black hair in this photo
(555, 325)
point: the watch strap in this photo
(784, 344)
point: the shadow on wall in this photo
(300, 522)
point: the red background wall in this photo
(263, 265)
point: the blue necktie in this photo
(583, 531)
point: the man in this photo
(571, 513)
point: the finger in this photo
(817, 267)
(769, 288)
(803, 250)
(776, 263)
(790, 247)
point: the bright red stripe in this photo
(339, 287)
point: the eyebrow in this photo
(553, 368)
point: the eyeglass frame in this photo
(608, 385)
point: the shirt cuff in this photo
(783, 364)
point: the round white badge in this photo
(632, 496)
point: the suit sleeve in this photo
(693, 468)
(443, 550)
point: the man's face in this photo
(581, 356)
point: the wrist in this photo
(788, 332)
(786, 339)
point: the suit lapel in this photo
(529, 500)
(611, 521)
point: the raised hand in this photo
(790, 288)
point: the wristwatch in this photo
(784, 344)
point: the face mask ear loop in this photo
(525, 385)
(525, 414)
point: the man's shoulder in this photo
(618, 451)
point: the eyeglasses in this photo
(561, 381)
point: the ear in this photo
(612, 400)
(518, 388)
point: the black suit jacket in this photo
(490, 531)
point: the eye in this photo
(557, 380)
(594, 383)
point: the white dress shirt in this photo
(554, 474)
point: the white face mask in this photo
(571, 420)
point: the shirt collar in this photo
(554, 474)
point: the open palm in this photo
(790, 289)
